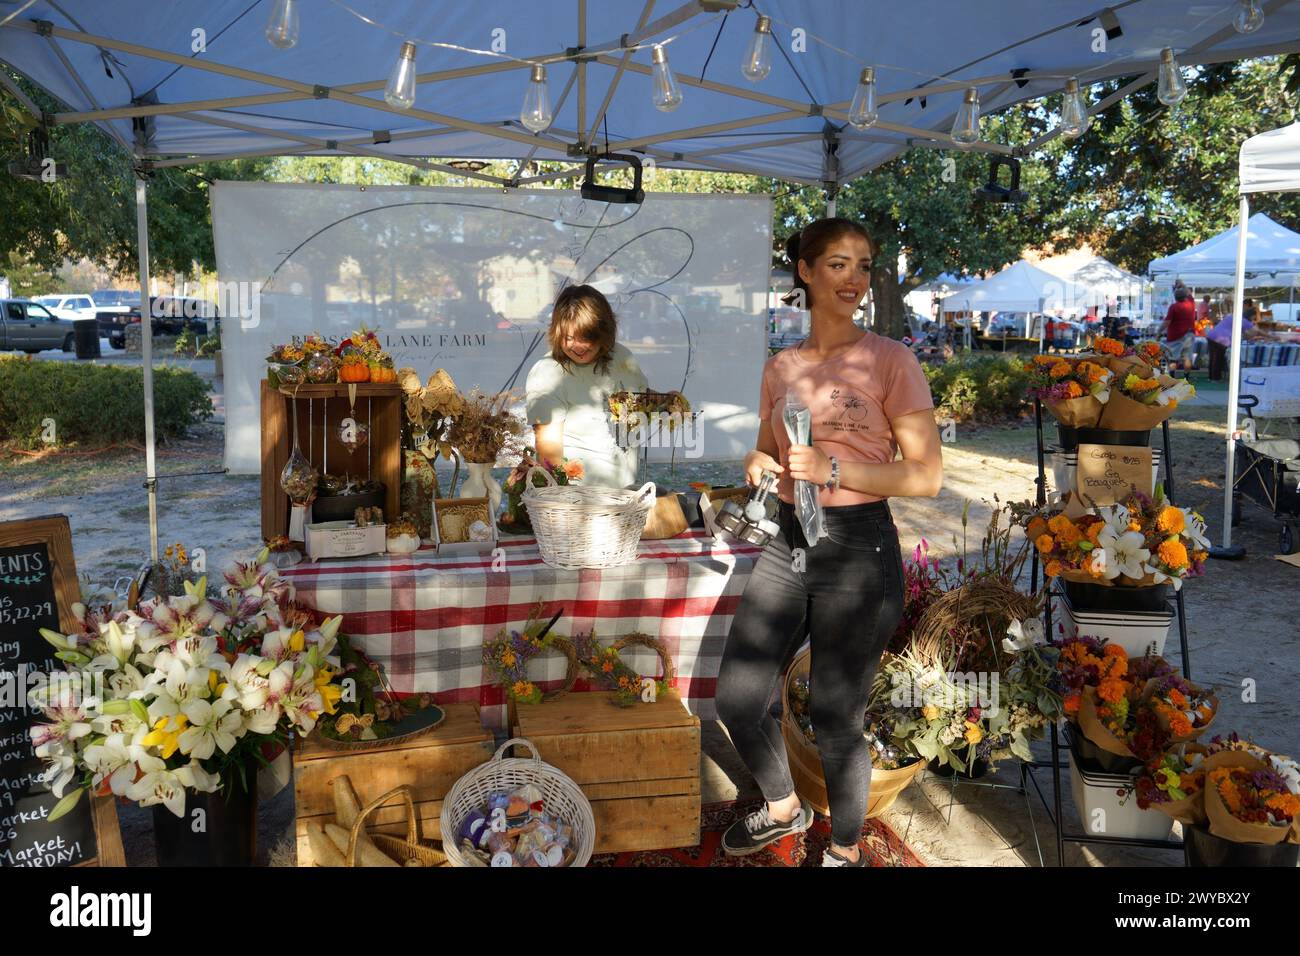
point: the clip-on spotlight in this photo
(993, 191)
(591, 190)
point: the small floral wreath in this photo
(607, 668)
(507, 656)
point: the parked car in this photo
(172, 315)
(113, 308)
(30, 327)
(69, 306)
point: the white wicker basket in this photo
(564, 799)
(586, 526)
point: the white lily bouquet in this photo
(188, 692)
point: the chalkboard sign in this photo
(38, 586)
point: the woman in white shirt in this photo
(568, 391)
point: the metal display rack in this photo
(1039, 577)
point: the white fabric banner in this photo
(464, 279)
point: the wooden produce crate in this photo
(639, 766)
(430, 764)
(320, 409)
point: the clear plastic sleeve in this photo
(798, 425)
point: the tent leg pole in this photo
(146, 349)
(1234, 389)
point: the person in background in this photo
(1220, 338)
(1179, 328)
(1203, 308)
(568, 391)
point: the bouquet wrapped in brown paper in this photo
(1140, 403)
(1074, 391)
(1175, 785)
(1182, 709)
(1248, 801)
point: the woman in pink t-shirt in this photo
(869, 400)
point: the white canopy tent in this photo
(1270, 162)
(1099, 281)
(186, 81)
(1273, 251)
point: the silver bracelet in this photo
(834, 484)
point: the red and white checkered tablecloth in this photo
(424, 617)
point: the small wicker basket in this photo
(586, 526)
(401, 850)
(563, 798)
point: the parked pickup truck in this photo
(30, 327)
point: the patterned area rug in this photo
(882, 845)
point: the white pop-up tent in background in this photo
(464, 280)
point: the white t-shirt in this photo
(578, 399)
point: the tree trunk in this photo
(887, 297)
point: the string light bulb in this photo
(536, 113)
(400, 90)
(862, 112)
(282, 27)
(758, 54)
(1074, 111)
(1249, 16)
(667, 94)
(966, 124)
(1171, 88)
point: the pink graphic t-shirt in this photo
(852, 397)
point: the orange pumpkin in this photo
(356, 372)
(383, 374)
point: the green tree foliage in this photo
(1146, 181)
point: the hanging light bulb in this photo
(758, 55)
(966, 125)
(1249, 17)
(863, 113)
(536, 112)
(282, 28)
(667, 94)
(1171, 88)
(1074, 111)
(400, 91)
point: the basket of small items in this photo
(517, 812)
(587, 526)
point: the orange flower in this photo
(1058, 523)
(1173, 554)
(1200, 555)
(1068, 537)
(1177, 698)
(1045, 360)
(1054, 569)
(1037, 527)
(1044, 543)
(1111, 691)
(1072, 704)
(1171, 520)
(1060, 370)
(1143, 385)
(573, 470)
(1179, 725)
(1135, 525)
(1108, 347)
(1093, 531)
(1114, 650)
(607, 666)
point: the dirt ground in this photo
(1240, 616)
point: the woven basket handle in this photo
(550, 478)
(517, 740)
(645, 491)
(645, 640)
(359, 825)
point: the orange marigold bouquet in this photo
(1073, 390)
(1251, 802)
(1136, 543)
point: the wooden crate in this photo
(320, 408)
(639, 766)
(431, 764)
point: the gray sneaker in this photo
(831, 858)
(759, 829)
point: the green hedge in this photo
(95, 404)
(978, 387)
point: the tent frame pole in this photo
(146, 350)
(1234, 381)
